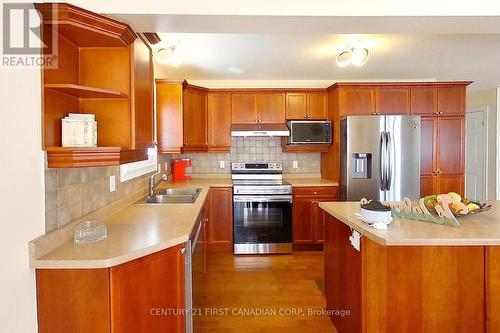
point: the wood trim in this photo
(267, 90)
(61, 157)
(409, 84)
(64, 14)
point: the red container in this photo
(179, 169)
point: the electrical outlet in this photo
(222, 164)
(295, 164)
(112, 183)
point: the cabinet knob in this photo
(315, 193)
(305, 116)
(183, 250)
(441, 112)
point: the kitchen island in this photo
(415, 276)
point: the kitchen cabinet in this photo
(308, 217)
(195, 118)
(356, 100)
(106, 69)
(271, 107)
(451, 100)
(441, 106)
(116, 299)
(392, 100)
(442, 154)
(169, 116)
(152, 282)
(220, 222)
(219, 121)
(423, 100)
(261, 107)
(244, 108)
(309, 106)
(405, 288)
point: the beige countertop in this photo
(477, 229)
(134, 231)
(306, 182)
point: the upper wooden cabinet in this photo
(219, 121)
(195, 118)
(169, 116)
(423, 100)
(103, 69)
(271, 107)
(393, 100)
(296, 106)
(310, 106)
(251, 108)
(356, 100)
(451, 100)
(438, 100)
(244, 108)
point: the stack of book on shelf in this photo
(79, 130)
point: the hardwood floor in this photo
(260, 294)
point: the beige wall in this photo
(21, 196)
(488, 98)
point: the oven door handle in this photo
(262, 198)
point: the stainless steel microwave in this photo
(310, 131)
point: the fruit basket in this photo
(473, 207)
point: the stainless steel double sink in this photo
(171, 196)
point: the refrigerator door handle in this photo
(382, 160)
(389, 161)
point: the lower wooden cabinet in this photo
(220, 222)
(133, 297)
(407, 288)
(308, 217)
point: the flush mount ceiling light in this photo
(168, 55)
(355, 55)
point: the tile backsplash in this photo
(253, 149)
(73, 193)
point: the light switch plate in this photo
(112, 183)
(295, 164)
(222, 164)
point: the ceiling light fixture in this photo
(167, 55)
(355, 55)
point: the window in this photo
(132, 170)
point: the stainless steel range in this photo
(262, 209)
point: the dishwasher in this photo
(194, 261)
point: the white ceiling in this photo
(221, 56)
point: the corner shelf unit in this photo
(103, 68)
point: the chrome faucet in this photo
(153, 184)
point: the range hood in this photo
(260, 130)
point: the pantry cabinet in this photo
(103, 68)
(219, 121)
(116, 299)
(220, 222)
(442, 155)
(308, 217)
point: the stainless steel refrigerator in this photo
(380, 157)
